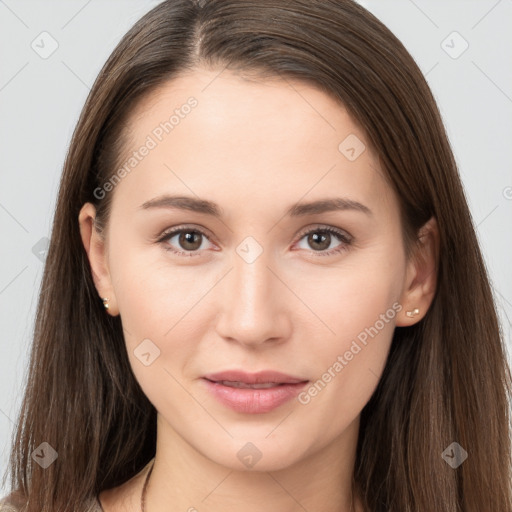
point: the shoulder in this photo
(95, 505)
(14, 503)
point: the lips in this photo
(253, 393)
(244, 385)
(262, 377)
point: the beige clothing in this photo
(13, 503)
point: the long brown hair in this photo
(446, 379)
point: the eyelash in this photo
(344, 238)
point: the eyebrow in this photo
(296, 210)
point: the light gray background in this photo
(40, 100)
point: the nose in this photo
(253, 304)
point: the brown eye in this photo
(320, 241)
(190, 240)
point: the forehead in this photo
(231, 100)
(214, 131)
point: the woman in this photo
(263, 288)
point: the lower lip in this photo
(254, 401)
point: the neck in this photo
(184, 479)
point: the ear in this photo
(421, 276)
(95, 246)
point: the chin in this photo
(255, 453)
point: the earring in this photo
(105, 303)
(412, 313)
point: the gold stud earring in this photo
(412, 313)
(105, 303)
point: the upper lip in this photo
(261, 377)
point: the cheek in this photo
(359, 306)
(351, 297)
(152, 292)
(163, 315)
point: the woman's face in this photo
(253, 281)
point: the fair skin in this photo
(253, 147)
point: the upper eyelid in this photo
(321, 227)
(187, 227)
